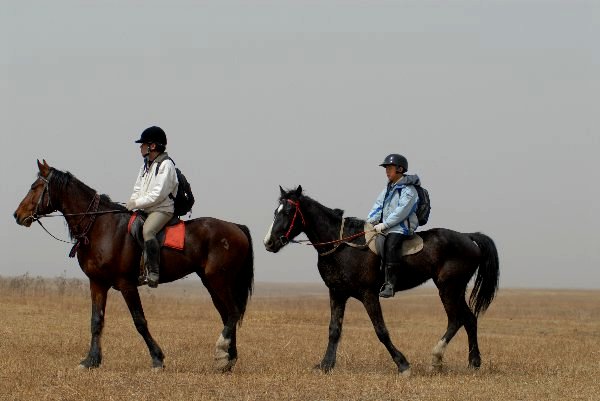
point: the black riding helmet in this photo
(396, 160)
(153, 135)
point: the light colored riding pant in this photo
(154, 223)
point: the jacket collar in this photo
(159, 159)
(412, 179)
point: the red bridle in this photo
(298, 211)
(285, 239)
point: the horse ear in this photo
(44, 168)
(299, 190)
(281, 191)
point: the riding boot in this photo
(387, 290)
(152, 260)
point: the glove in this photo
(379, 228)
(130, 205)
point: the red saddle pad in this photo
(175, 236)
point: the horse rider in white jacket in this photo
(153, 193)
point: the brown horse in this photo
(218, 251)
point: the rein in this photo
(83, 236)
(336, 243)
(39, 216)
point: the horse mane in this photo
(353, 224)
(61, 179)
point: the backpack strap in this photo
(156, 172)
(158, 164)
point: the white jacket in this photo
(152, 188)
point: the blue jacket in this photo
(398, 207)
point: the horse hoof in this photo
(158, 369)
(88, 365)
(81, 366)
(406, 372)
(436, 368)
(319, 367)
(475, 363)
(224, 365)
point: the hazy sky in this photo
(494, 103)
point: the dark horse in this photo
(448, 257)
(218, 251)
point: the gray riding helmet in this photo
(396, 160)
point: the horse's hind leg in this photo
(459, 314)
(470, 323)
(98, 294)
(132, 298)
(373, 307)
(223, 299)
(226, 348)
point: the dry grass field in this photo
(535, 345)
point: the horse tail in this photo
(244, 283)
(486, 283)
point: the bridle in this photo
(91, 211)
(285, 239)
(46, 180)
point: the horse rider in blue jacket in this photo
(154, 193)
(393, 215)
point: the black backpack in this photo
(184, 199)
(424, 206)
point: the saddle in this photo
(171, 236)
(410, 246)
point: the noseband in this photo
(285, 239)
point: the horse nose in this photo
(269, 243)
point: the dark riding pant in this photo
(392, 261)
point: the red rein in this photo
(298, 211)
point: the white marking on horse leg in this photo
(222, 362)
(438, 353)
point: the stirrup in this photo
(387, 291)
(152, 279)
(143, 276)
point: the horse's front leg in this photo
(134, 303)
(98, 294)
(373, 307)
(338, 306)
